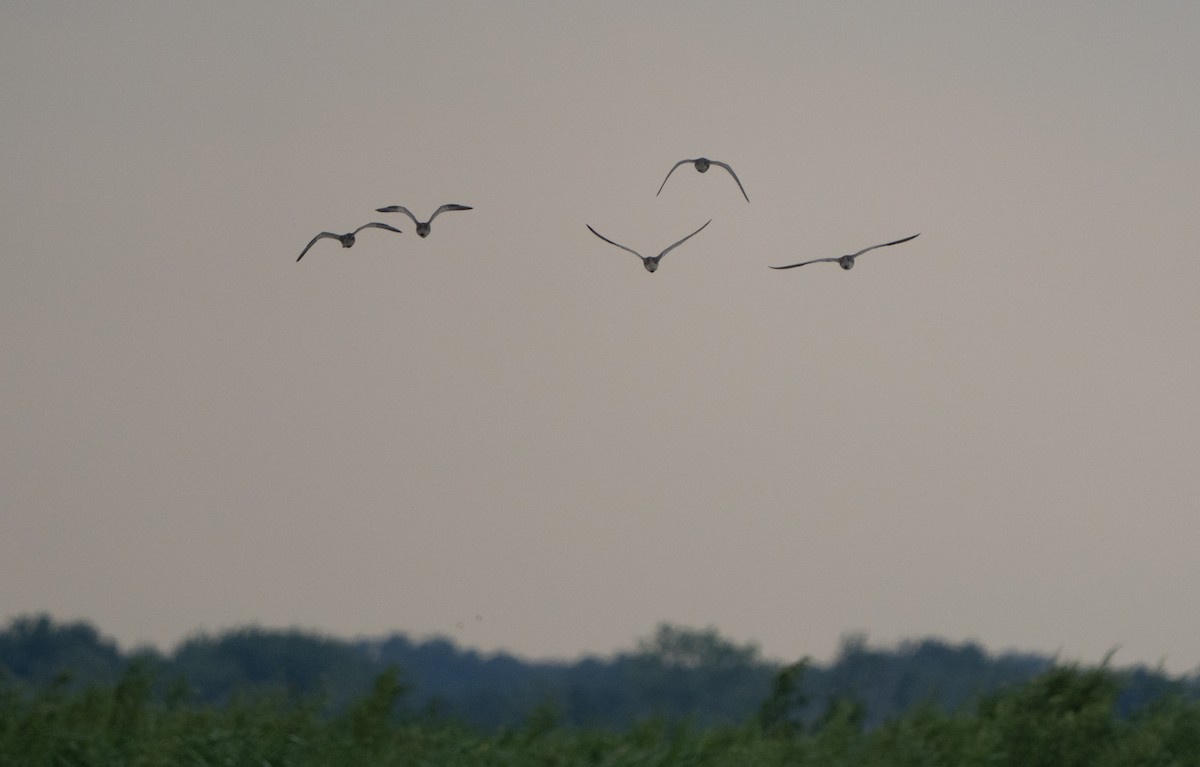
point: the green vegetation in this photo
(1064, 717)
(677, 674)
(253, 697)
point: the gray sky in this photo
(991, 432)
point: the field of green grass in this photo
(1062, 718)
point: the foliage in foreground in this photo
(1067, 716)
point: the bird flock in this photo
(347, 240)
(702, 164)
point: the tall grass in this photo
(1064, 717)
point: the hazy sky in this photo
(989, 433)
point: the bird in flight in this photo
(702, 164)
(846, 262)
(422, 226)
(650, 262)
(347, 240)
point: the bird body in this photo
(650, 262)
(422, 226)
(702, 165)
(347, 240)
(846, 262)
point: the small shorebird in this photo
(846, 262)
(347, 240)
(650, 262)
(702, 164)
(422, 226)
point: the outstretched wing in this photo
(806, 263)
(672, 170)
(398, 209)
(685, 239)
(884, 245)
(313, 241)
(378, 225)
(725, 165)
(610, 242)
(448, 206)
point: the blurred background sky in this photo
(990, 433)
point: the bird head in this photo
(651, 263)
(702, 164)
(846, 262)
(423, 229)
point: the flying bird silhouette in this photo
(650, 262)
(846, 262)
(347, 240)
(702, 164)
(422, 226)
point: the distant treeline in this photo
(677, 675)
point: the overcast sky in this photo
(989, 433)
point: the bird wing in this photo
(610, 242)
(672, 170)
(313, 241)
(398, 209)
(448, 206)
(378, 225)
(884, 245)
(806, 263)
(725, 165)
(685, 239)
